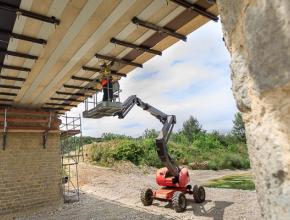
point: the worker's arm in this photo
(168, 122)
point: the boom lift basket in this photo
(102, 109)
(95, 109)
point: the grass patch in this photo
(241, 181)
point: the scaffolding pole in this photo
(72, 154)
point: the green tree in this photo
(150, 133)
(191, 128)
(239, 130)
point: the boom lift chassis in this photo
(173, 179)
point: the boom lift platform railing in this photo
(98, 109)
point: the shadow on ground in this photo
(215, 210)
(91, 207)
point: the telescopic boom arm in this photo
(168, 122)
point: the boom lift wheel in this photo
(198, 194)
(146, 197)
(179, 201)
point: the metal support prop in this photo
(8, 94)
(20, 79)
(92, 69)
(53, 109)
(86, 105)
(6, 100)
(70, 93)
(114, 59)
(72, 86)
(17, 11)
(19, 68)
(5, 130)
(77, 87)
(23, 37)
(196, 8)
(60, 104)
(81, 79)
(108, 89)
(9, 86)
(5, 105)
(63, 99)
(134, 46)
(17, 54)
(45, 134)
(157, 28)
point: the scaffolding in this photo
(72, 153)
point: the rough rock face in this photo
(257, 34)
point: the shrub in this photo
(180, 138)
(206, 141)
(101, 153)
(205, 149)
(129, 150)
(188, 146)
(150, 157)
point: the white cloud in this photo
(191, 78)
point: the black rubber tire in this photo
(179, 202)
(198, 194)
(146, 196)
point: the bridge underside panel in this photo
(51, 42)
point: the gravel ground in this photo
(111, 194)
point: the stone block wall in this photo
(257, 35)
(30, 176)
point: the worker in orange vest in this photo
(107, 89)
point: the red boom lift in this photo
(173, 179)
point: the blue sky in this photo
(190, 78)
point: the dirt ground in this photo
(114, 194)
